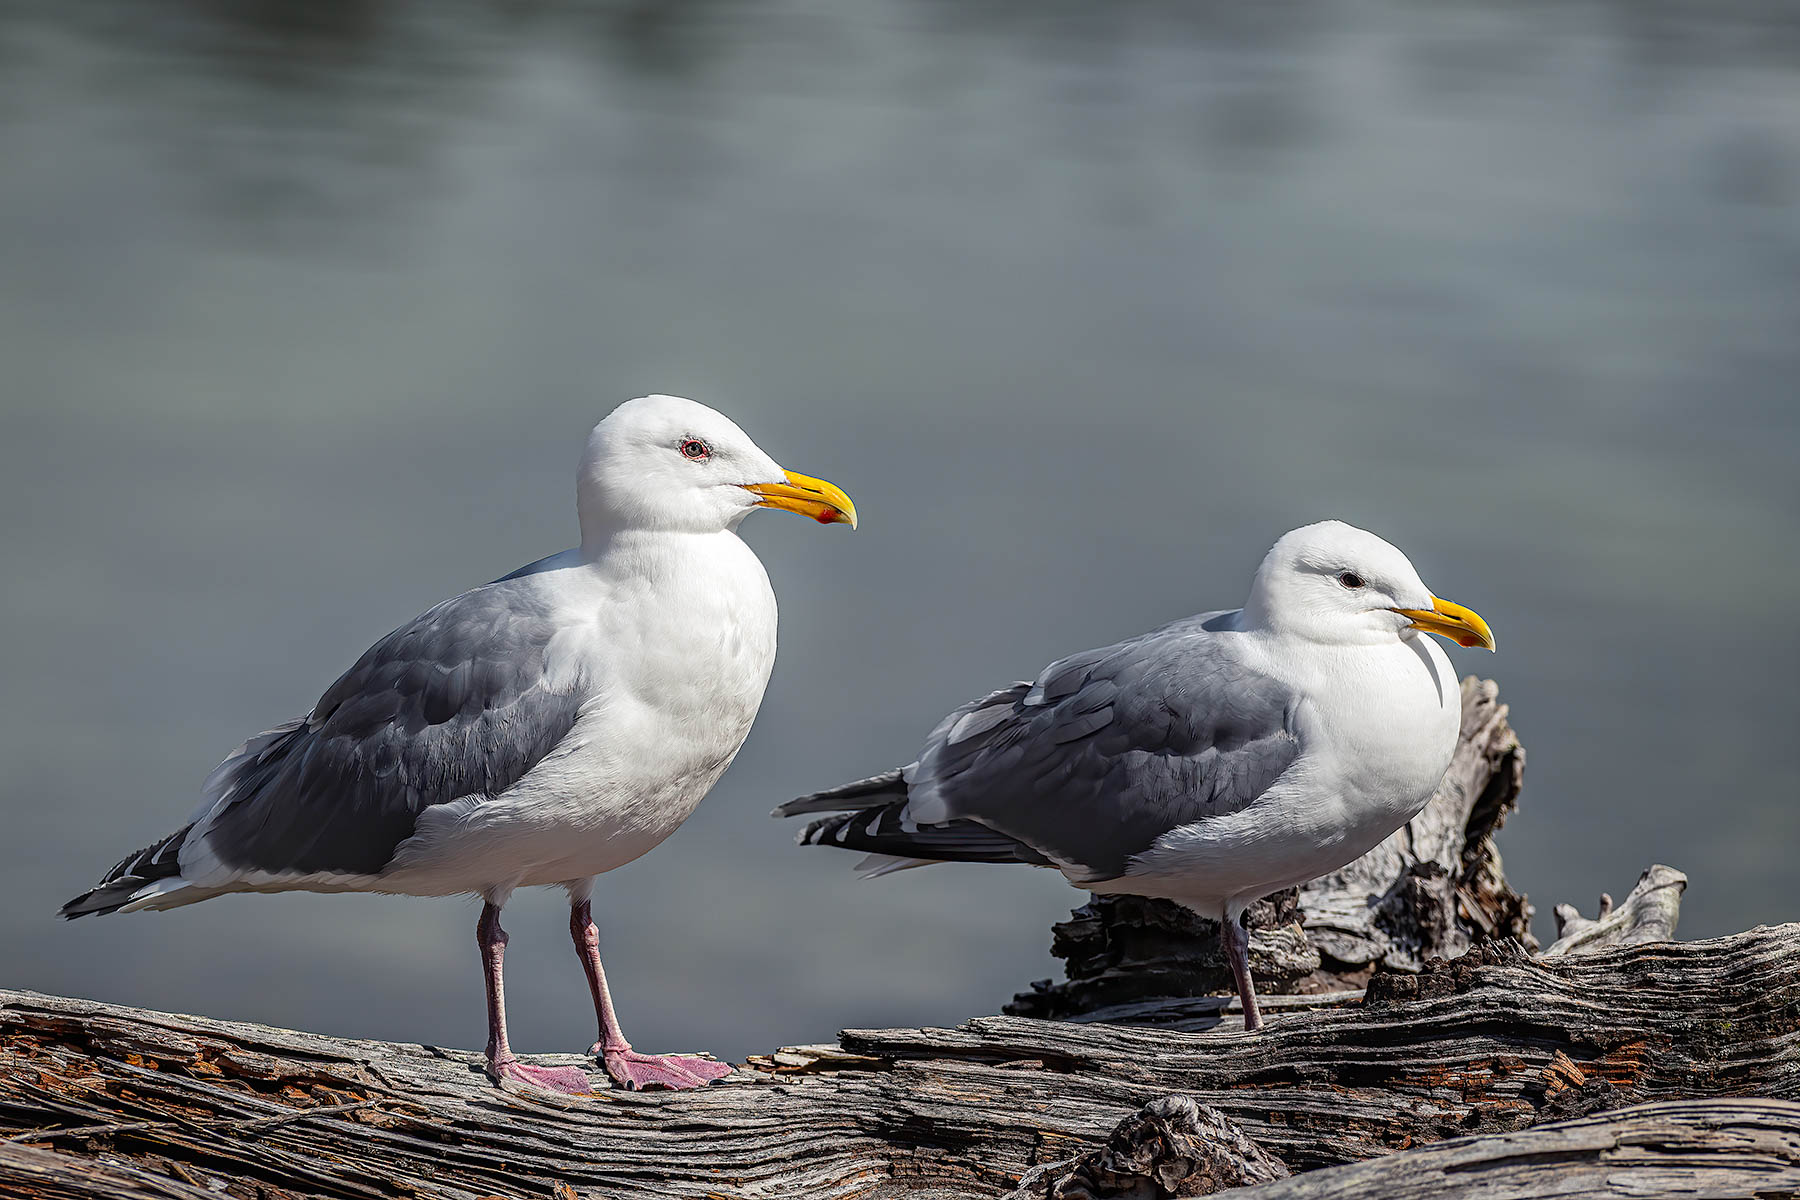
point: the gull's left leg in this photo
(1237, 948)
(625, 1065)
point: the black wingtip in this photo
(81, 906)
(159, 860)
(815, 833)
(889, 785)
(98, 902)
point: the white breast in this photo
(672, 637)
(1377, 730)
(1384, 722)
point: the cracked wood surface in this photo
(1682, 1148)
(1679, 1148)
(1491, 1043)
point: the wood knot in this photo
(1171, 1147)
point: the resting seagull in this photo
(1211, 762)
(538, 730)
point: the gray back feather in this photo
(1110, 749)
(451, 704)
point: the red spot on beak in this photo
(828, 516)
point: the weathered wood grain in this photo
(1494, 1042)
(1683, 1148)
(49, 1176)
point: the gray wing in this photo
(1107, 751)
(455, 703)
(1089, 764)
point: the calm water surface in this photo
(306, 308)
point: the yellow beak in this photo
(1463, 626)
(823, 502)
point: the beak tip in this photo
(1452, 621)
(824, 502)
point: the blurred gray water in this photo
(305, 309)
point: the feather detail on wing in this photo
(459, 702)
(462, 701)
(1085, 766)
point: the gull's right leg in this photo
(502, 1064)
(1237, 948)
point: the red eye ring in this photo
(695, 449)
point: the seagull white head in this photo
(665, 463)
(1341, 585)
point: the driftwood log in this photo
(1492, 1043)
(1615, 1060)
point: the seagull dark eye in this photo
(1351, 579)
(696, 449)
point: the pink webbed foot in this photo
(570, 1081)
(677, 1072)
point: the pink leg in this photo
(1237, 948)
(629, 1068)
(502, 1064)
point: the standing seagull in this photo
(1211, 762)
(540, 729)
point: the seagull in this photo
(538, 730)
(1210, 762)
